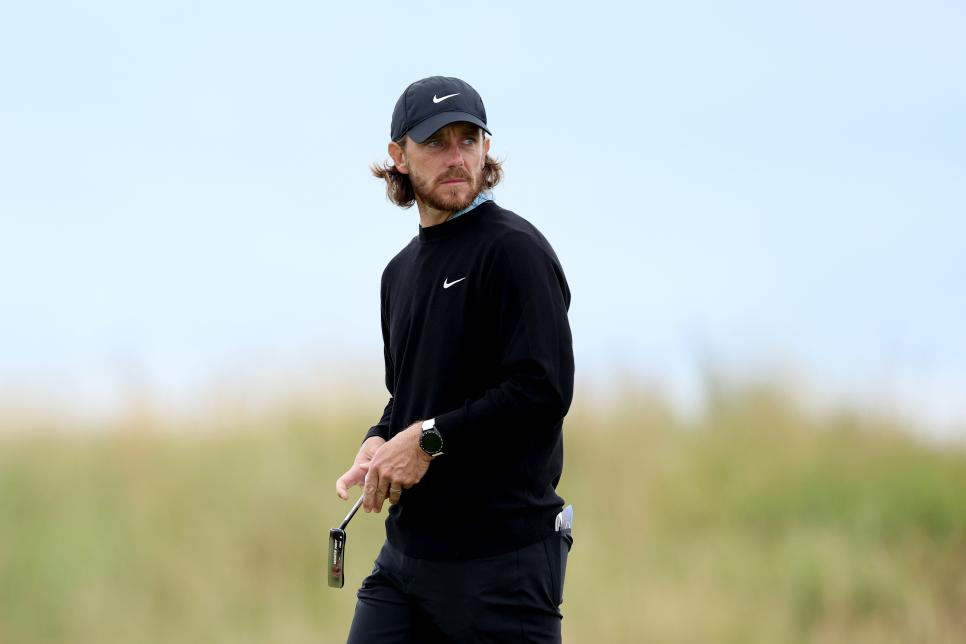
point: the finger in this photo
(382, 492)
(395, 491)
(356, 475)
(369, 495)
(342, 485)
(353, 476)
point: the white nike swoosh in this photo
(443, 98)
(447, 283)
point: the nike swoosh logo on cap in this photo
(447, 283)
(443, 98)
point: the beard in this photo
(433, 193)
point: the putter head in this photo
(336, 557)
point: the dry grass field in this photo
(757, 522)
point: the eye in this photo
(470, 140)
(432, 143)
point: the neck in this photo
(429, 216)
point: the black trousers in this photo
(512, 597)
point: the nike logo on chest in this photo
(447, 283)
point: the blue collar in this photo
(480, 198)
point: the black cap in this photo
(433, 102)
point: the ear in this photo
(486, 149)
(398, 156)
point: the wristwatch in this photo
(430, 440)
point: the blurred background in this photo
(759, 209)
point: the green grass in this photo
(757, 523)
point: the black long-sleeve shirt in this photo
(475, 332)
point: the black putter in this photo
(337, 549)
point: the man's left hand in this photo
(397, 466)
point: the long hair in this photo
(399, 189)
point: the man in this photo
(479, 367)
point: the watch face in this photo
(431, 441)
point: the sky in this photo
(766, 188)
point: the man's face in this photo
(446, 169)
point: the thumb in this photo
(340, 489)
(355, 475)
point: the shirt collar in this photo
(483, 197)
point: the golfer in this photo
(480, 371)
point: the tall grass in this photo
(756, 523)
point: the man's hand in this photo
(398, 465)
(356, 474)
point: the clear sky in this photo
(763, 186)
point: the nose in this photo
(454, 156)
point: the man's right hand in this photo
(356, 475)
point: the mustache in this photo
(456, 173)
